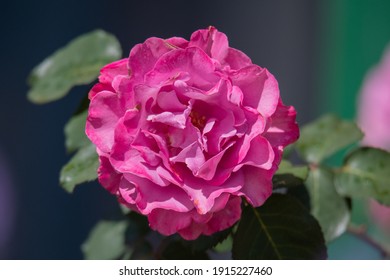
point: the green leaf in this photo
(289, 179)
(327, 206)
(286, 167)
(295, 189)
(365, 173)
(280, 229)
(77, 63)
(326, 136)
(177, 250)
(289, 175)
(75, 137)
(106, 241)
(203, 242)
(81, 168)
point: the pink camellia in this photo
(373, 117)
(184, 129)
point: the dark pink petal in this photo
(112, 70)
(208, 169)
(97, 88)
(128, 191)
(177, 42)
(191, 60)
(236, 96)
(212, 42)
(257, 186)
(223, 128)
(283, 128)
(210, 95)
(192, 156)
(168, 101)
(259, 87)
(177, 120)
(143, 57)
(220, 220)
(239, 151)
(151, 196)
(259, 154)
(108, 177)
(133, 162)
(104, 112)
(182, 138)
(168, 222)
(203, 193)
(237, 59)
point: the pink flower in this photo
(374, 105)
(184, 129)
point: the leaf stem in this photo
(361, 233)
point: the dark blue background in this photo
(48, 223)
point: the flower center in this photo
(197, 120)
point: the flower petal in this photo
(259, 87)
(257, 186)
(190, 60)
(144, 56)
(283, 128)
(220, 220)
(104, 112)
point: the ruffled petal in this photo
(219, 221)
(212, 42)
(104, 112)
(283, 128)
(259, 87)
(190, 60)
(257, 185)
(144, 56)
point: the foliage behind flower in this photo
(184, 129)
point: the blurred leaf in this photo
(288, 150)
(327, 206)
(286, 167)
(203, 242)
(325, 136)
(83, 105)
(225, 245)
(365, 173)
(75, 137)
(124, 209)
(77, 63)
(81, 168)
(280, 229)
(106, 241)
